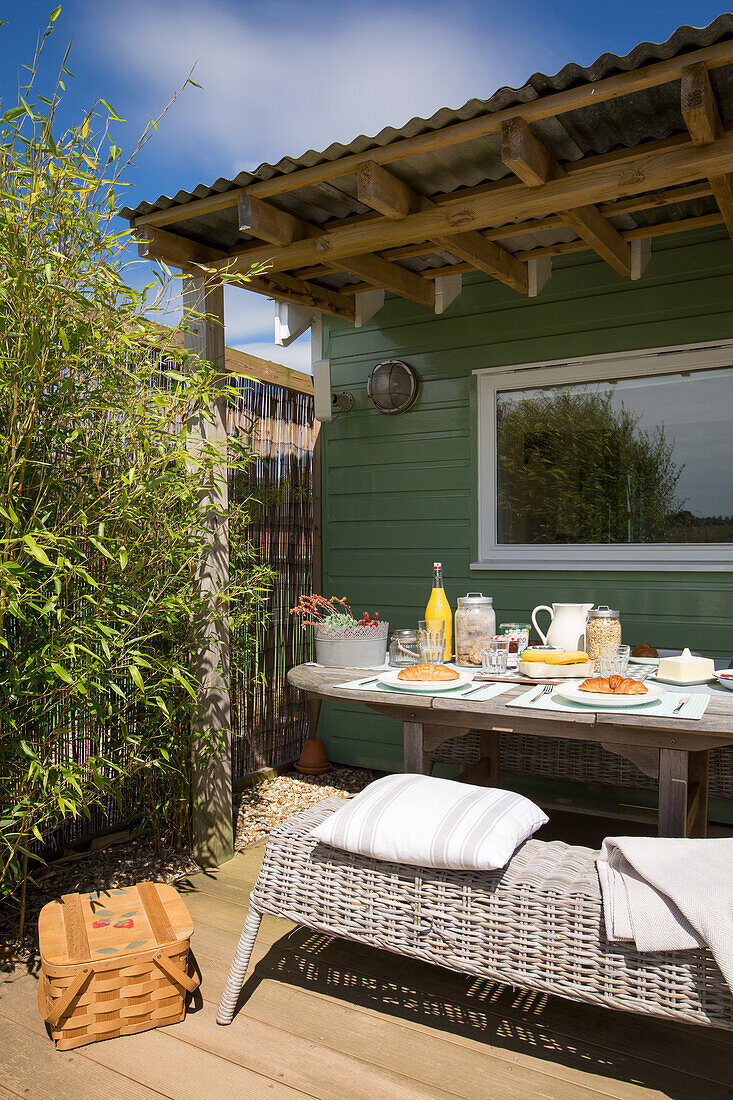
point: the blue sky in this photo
(281, 76)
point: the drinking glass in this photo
(431, 640)
(494, 656)
(614, 659)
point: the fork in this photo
(683, 700)
(546, 690)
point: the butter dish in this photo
(685, 669)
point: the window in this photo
(623, 462)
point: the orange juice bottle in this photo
(439, 608)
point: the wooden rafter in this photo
(380, 190)
(572, 99)
(535, 165)
(700, 112)
(567, 248)
(596, 180)
(190, 256)
(648, 151)
(280, 227)
(652, 201)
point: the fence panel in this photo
(269, 717)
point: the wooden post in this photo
(314, 710)
(213, 836)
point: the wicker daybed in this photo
(536, 924)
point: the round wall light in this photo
(392, 387)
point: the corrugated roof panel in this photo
(628, 121)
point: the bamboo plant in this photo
(99, 506)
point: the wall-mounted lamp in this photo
(393, 386)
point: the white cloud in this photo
(281, 78)
(247, 316)
(297, 356)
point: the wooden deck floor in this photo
(336, 1021)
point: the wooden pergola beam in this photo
(195, 258)
(244, 364)
(567, 248)
(572, 99)
(287, 288)
(603, 179)
(652, 201)
(380, 190)
(280, 227)
(525, 155)
(700, 112)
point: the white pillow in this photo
(429, 822)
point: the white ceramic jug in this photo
(567, 625)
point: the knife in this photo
(479, 688)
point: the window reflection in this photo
(641, 460)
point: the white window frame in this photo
(630, 556)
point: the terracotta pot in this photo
(313, 759)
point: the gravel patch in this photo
(260, 808)
(123, 860)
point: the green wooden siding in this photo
(400, 492)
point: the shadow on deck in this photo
(335, 1020)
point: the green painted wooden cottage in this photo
(557, 255)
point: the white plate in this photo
(390, 679)
(679, 683)
(652, 661)
(726, 681)
(573, 693)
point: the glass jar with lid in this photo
(403, 648)
(475, 626)
(603, 628)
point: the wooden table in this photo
(672, 750)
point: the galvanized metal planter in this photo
(364, 647)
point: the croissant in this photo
(427, 672)
(615, 685)
(598, 684)
(631, 687)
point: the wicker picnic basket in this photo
(113, 963)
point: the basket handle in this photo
(176, 973)
(72, 990)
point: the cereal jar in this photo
(603, 628)
(475, 626)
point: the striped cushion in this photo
(417, 819)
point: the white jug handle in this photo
(551, 613)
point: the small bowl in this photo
(726, 681)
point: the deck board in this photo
(331, 1020)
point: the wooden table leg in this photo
(683, 793)
(672, 817)
(415, 758)
(697, 777)
(314, 713)
(486, 771)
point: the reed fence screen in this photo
(269, 717)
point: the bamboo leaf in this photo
(136, 677)
(37, 552)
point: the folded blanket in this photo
(670, 895)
